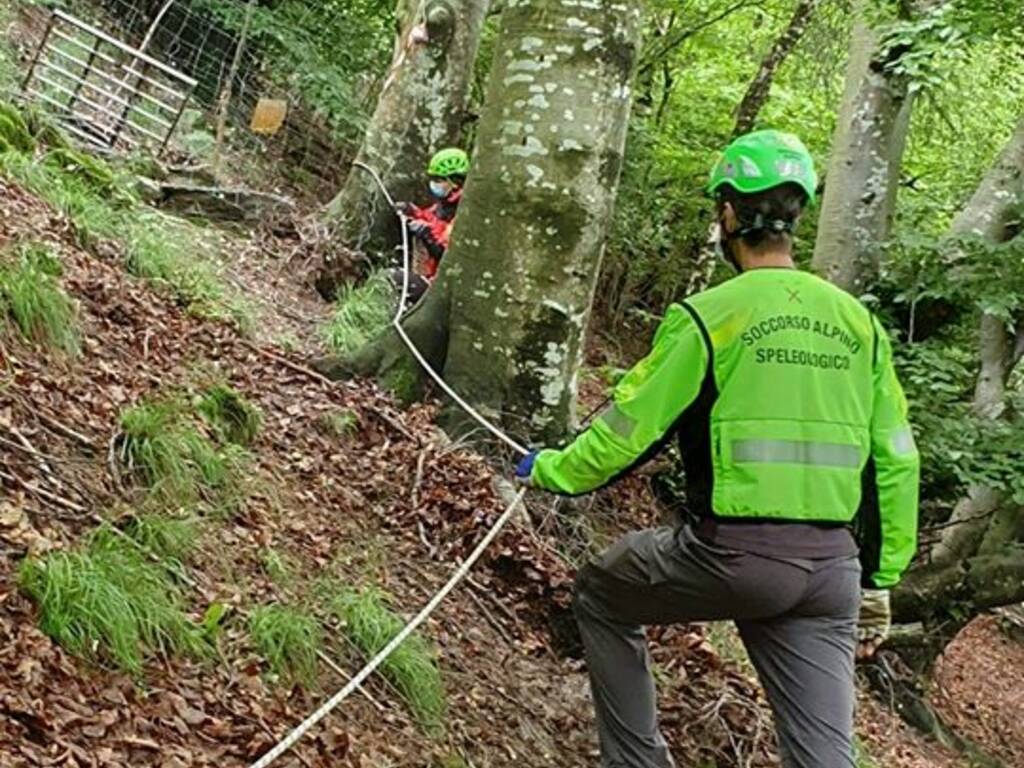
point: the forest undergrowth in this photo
(201, 539)
(168, 543)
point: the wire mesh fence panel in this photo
(103, 91)
(300, 95)
(200, 38)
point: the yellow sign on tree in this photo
(268, 116)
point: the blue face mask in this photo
(439, 189)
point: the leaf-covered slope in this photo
(342, 491)
(332, 486)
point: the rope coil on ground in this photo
(300, 730)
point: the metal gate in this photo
(103, 92)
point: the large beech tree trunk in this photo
(863, 169)
(421, 108)
(760, 86)
(506, 318)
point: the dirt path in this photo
(274, 274)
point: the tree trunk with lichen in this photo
(864, 165)
(505, 320)
(421, 108)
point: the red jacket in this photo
(435, 236)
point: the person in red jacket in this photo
(432, 225)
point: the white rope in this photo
(285, 744)
(387, 195)
(396, 321)
(300, 730)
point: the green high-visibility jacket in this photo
(782, 392)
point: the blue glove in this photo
(525, 467)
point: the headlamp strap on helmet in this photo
(760, 223)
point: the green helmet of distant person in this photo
(763, 160)
(449, 162)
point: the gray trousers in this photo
(797, 619)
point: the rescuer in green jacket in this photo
(793, 432)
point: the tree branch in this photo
(671, 42)
(948, 593)
(757, 92)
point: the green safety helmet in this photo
(763, 160)
(450, 161)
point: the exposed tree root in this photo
(386, 357)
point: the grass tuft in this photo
(92, 216)
(279, 567)
(401, 382)
(14, 131)
(106, 601)
(167, 452)
(167, 537)
(360, 312)
(101, 204)
(158, 249)
(232, 484)
(32, 299)
(230, 415)
(43, 127)
(161, 250)
(412, 668)
(340, 422)
(97, 176)
(289, 640)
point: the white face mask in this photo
(439, 189)
(715, 240)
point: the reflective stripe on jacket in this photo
(781, 390)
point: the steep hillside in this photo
(338, 490)
(329, 489)
(201, 539)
